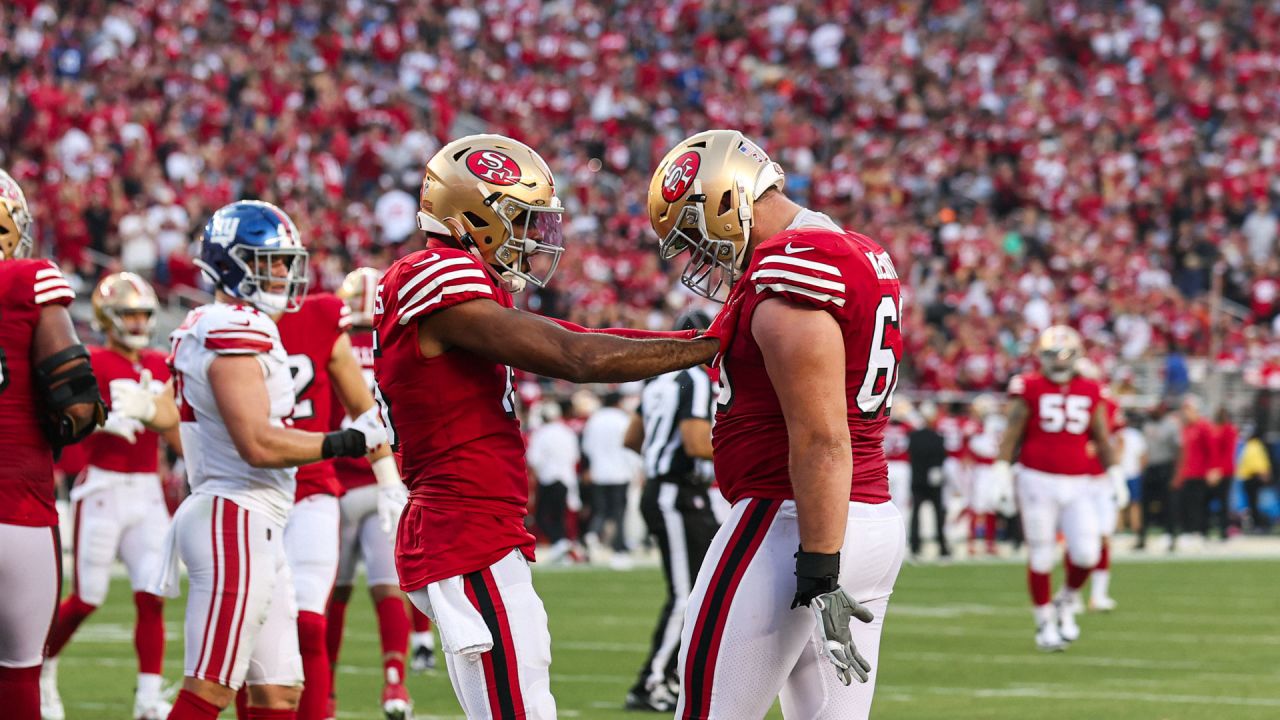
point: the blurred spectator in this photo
(609, 470)
(1260, 228)
(553, 460)
(1163, 436)
(1223, 441)
(1190, 482)
(1255, 471)
(1134, 458)
(928, 452)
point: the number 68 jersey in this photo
(1059, 417)
(815, 265)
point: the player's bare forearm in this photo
(1017, 423)
(173, 438)
(537, 345)
(803, 352)
(634, 439)
(695, 435)
(166, 418)
(821, 466)
(348, 381)
(1102, 438)
(54, 333)
(240, 391)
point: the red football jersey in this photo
(454, 418)
(1059, 416)
(956, 431)
(850, 277)
(355, 472)
(896, 440)
(308, 336)
(111, 452)
(26, 482)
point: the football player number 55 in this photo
(1069, 413)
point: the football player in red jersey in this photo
(812, 308)
(1053, 414)
(49, 399)
(1109, 498)
(118, 502)
(324, 367)
(982, 446)
(363, 535)
(897, 454)
(447, 335)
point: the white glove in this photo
(122, 426)
(1002, 480)
(370, 425)
(392, 494)
(1119, 486)
(134, 399)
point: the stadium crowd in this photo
(1024, 162)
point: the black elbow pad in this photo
(60, 388)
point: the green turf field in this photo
(1192, 639)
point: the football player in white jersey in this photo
(234, 391)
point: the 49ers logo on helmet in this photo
(493, 167)
(680, 176)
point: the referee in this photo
(673, 434)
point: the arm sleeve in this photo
(630, 333)
(444, 279)
(812, 278)
(49, 286)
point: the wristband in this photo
(343, 443)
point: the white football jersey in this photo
(214, 467)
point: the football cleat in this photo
(396, 704)
(1067, 626)
(423, 659)
(659, 699)
(50, 701)
(1102, 604)
(1048, 639)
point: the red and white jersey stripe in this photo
(438, 277)
(51, 285)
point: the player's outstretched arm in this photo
(535, 344)
(240, 391)
(803, 353)
(66, 378)
(1016, 424)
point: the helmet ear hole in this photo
(725, 203)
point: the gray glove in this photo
(834, 611)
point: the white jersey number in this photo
(1064, 413)
(304, 373)
(882, 364)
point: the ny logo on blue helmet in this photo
(252, 251)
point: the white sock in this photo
(149, 686)
(421, 639)
(1100, 582)
(1043, 614)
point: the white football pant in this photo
(1049, 502)
(311, 545)
(31, 575)
(116, 515)
(514, 678)
(362, 538)
(242, 624)
(743, 645)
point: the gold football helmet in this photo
(700, 200)
(497, 195)
(120, 294)
(15, 220)
(360, 291)
(1059, 348)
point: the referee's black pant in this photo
(679, 517)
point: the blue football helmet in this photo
(242, 244)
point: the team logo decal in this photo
(493, 167)
(680, 175)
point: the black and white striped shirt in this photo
(666, 401)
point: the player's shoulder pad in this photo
(42, 282)
(809, 266)
(229, 329)
(431, 280)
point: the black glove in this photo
(343, 443)
(816, 574)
